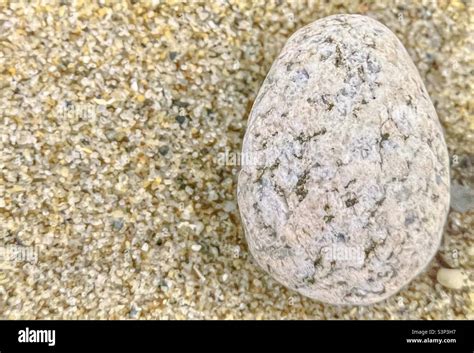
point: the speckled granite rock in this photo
(344, 189)
(111, 135)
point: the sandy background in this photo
(113, 119)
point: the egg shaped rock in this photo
(344, 186)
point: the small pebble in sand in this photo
(452, 278)
(196, 247)
(346, 189)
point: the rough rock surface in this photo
(344, 188)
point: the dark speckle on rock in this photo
(341, 237)
(351, 202)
